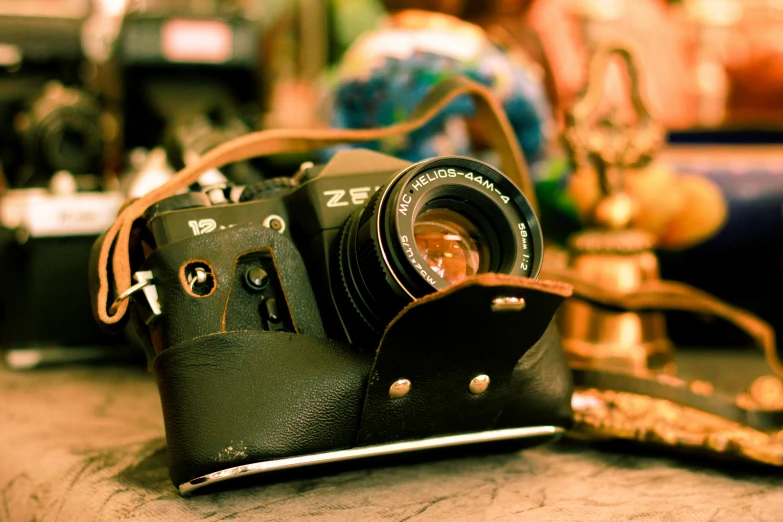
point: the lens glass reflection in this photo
(451, 244)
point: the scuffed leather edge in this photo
(564, 290)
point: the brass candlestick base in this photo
(634, 342)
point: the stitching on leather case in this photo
(490, 279)
(228, 294)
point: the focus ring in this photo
(382, 267)
(348, 277)
(373, 291)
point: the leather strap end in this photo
(100, 288)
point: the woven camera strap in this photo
(661, 409)
(114, 250)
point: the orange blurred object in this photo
(706, 63)
(569, 28)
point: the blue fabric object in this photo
(388, 72)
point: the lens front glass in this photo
(451, 244)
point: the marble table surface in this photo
(86, 443)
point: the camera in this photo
(374, 234)
(56, 129)
(50, 120)
(54, 197)
(369, 305)
(190, 72)
(45, 238)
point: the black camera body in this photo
(50, 116)
(357, 224)
(45, 239)
(363, 308)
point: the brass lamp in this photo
(610, 252)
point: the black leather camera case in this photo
(234, 396)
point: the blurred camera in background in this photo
(55, 196)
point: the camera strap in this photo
(670, 295)
(114, 251)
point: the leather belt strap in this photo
(668, 295)
(114, 247)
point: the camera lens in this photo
(433, 225)
(64, 130)
(70, 143)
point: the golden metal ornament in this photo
(598, 137)
(606, 414)
(613, 329)
(611, 253)
(614, 258)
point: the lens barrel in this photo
(432, 225)
(63, 131)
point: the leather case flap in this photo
(440, 343)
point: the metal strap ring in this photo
(127, 293)
(198, 277)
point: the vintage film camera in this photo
(45, 239)
(190, 72)
(53, 199)
(49, 121)
(369, 305)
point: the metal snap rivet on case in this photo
(399, 388)
(508, 304)
(479, 384)
(274, 222)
